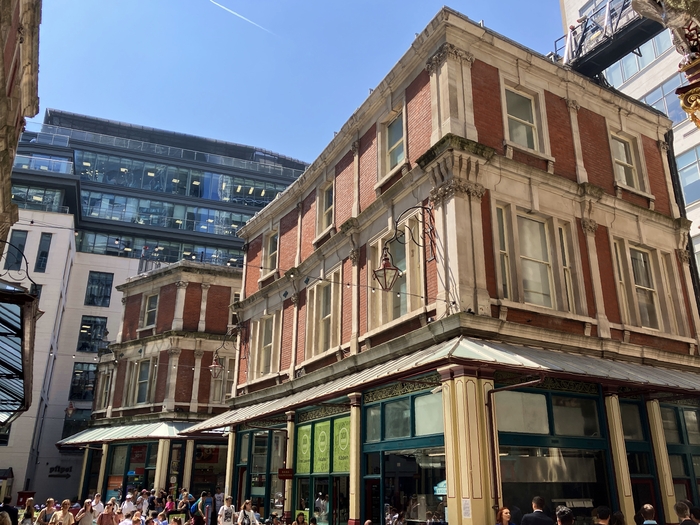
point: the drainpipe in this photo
(493, 438)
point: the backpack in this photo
(246, 518)
(194, 509)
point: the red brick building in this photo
(541, 337)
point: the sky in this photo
(281, 75)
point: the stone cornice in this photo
(166, 274)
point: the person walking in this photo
(648, 514)
(108, 516)
(564, 515)
(199, 509)
(128, 506)
(97, 505)
(537, 516)
(247, 516)
(85, 515)
(301, 519)
(12, 512)
(683, 513)
(63, 516)
(618, 518)
(45, 515)
(227, 513)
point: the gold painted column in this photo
(83, 473)
(476, 482)
(103, 469)
(453, 465)
(161, 475)
(663, 464)
(289, 463)
(187, 464)
(230, 462)
(355, 458)
(619, 454)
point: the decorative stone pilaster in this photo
(289, 462)
(581, 174)
(450, 79)
(619, 454)
(230, 461)
(355, 458)
(121, 322)
(194, 399)
(202, 326)
(173, 363)
(179, 305)
(663, 472)
(590, 227)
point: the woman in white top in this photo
(247, 516)
(63, 516)
(85, 515)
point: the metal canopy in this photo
(475, 353)
(159, 430)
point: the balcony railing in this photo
(48, 131)
(40, 206)
(28, 162)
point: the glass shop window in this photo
(522, 412)
(428, 415)
(631, 422)
(373, 423)
(397, 419)
(575, 416)
(668, 416)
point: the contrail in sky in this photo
(242, 17)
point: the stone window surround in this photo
(267, 269)
(253, 372)
(384, 173)
(321, 230)
(634, 140)
(131, 384)
(313, 304)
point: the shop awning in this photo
(160, 430)
(472, 352)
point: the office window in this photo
(42, 256)
(149, 317)
(535, 262)
(689, 171)
(143, 381)
(92, 331)
(82, 386)
(15, 251)
(395, 142)
(664, 98)
(624, 69)
(271, 252)
(99, 289)
(77, 422)
(522, 129)
(325, 208)
(624, 162)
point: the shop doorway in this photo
(341, 500)
(643, 492)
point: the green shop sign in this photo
(322, 446)
(304, 450)
(341, 445)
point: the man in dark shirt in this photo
(11, 511)
(537, 517)
(683, 513)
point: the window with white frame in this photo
(645, 280)
(522, 124)
(265, 344)
(271, 242)
(395, 142)
(625, 162)
(407, 293)
(105, 386)
(222, 385)
(536, 263)
(151, 307)
(323, 320)
(325, 208)
(141, 381)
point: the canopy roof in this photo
(158, 430)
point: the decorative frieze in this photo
(401, 388)
(322, 412)
(444, 52)
(451, 187)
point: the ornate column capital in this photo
(181, 284)
(663, 145)
(355, 399)
(589, 226)
(572, 104)
(206, 286)
(123, 300)
(444, 52)
(354, 256)
(198, 354)
(683, 255)
(294, 298)
(174, 352)
(355, 147)
(451, 187)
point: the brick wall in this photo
(491, 282)
(545, 321)
(561, 138)
(586, 268)
(217, 315)
(205, 378)
(344, 188)
(162, 376)
(308, 225)
(185, 377)
(253, 262)
(119, 385)
(657, 176)
(346, 324)
(132, 315)
(368, 167)
(301, 326)
(418, 116)
(362, 263)
(166, 308)
(288, 241)
(488, 118)
(607, 277)
(595, 147)
(529, 160)
(193, 305)
(659, 343)
(287, 334)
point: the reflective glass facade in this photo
(623, 70)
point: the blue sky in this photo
(284, 82)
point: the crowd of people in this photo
(686, 514)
